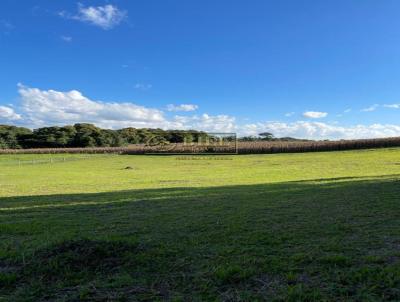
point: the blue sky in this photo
(314, 69)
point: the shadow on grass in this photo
(302, 241)
(159, 194)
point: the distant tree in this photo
(10, 136)
(175, 136)
(87, 135)
(248, 138)
(130, 135)
(51, 137)
(65, 136)
(110, 138)
(267, 136)
(3, 144)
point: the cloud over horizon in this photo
(43, 107)
(50, 107)
(39, 108)
(321, 131)
(206, 122)
(8, 114)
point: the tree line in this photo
(84, 135)
(88, 135)
(269, 137)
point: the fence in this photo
(15, 161)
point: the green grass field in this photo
(283, 227)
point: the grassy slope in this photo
(294, 227)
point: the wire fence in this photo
(10, 161)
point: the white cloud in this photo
(206, 122)
(370, 108)
(50, 107)
(105, 17)
(393, 106)
(142, 86)
(66, 38)
(347, 110)
(318, 130)
(314, 114)
(43, 107)
(7, 113)
(182, 107)
(289, 114)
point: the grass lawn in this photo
(283, 227)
